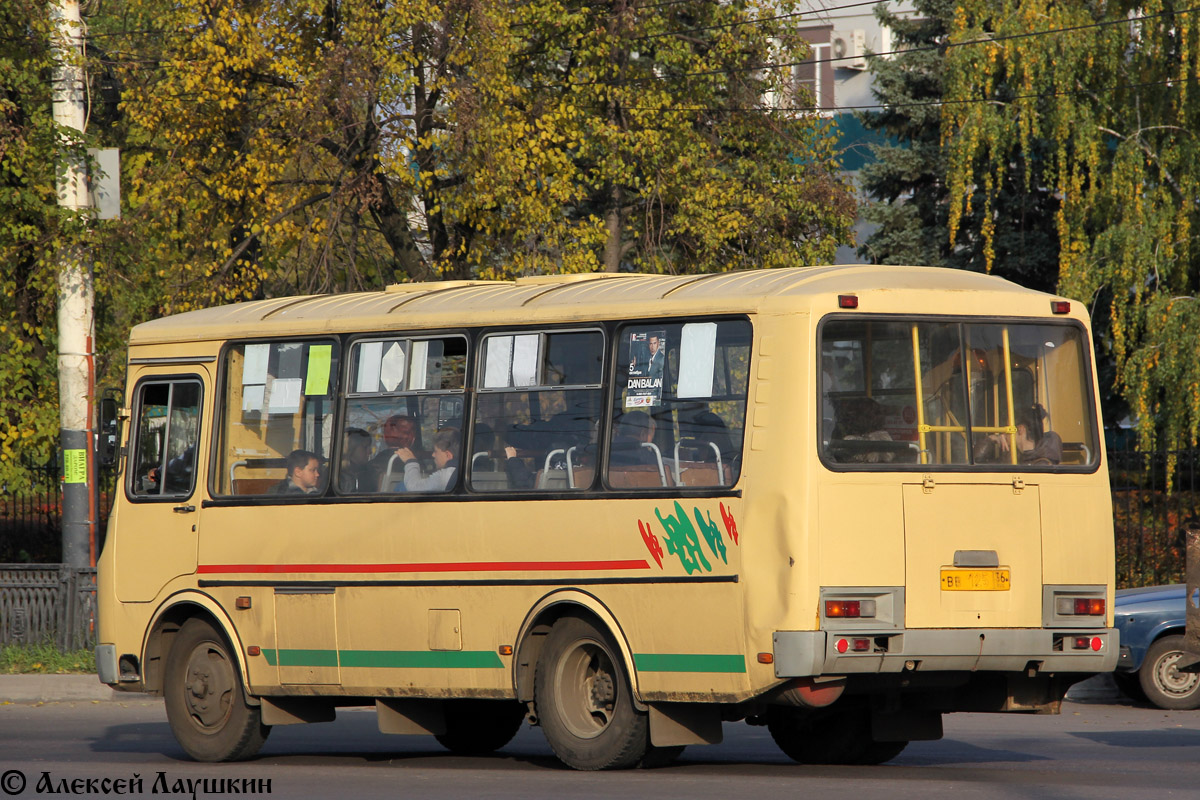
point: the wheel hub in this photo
(1172, 680)
(208, 687)
(603, 691)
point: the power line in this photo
(942, 47)
(756, 21)
(1170, 82)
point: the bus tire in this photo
(205, 700)
(839, 737)
(480, 727)
(584, 702)
(1164, 685)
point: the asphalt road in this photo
(1090, 751)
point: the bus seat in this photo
(489, 480)
(637, 477)
(558, 479)
(254, 485)
(1076, 453)
(702, 473)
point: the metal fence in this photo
(1151, 517)
(50, 602)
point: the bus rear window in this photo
(901, 394)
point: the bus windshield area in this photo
(906, 394)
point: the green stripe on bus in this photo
(417, 659)
(390, 659)
(688, 662)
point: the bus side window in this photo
(402, 392)
(167, 432)
(537, 412)
(278, 399)
(680, 404)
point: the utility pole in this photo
(76, 327)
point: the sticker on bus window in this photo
(647, 359)
(697, 357)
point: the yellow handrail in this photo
(1008, 388)
(921, 426)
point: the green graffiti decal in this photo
(682, 540)
(712, 535)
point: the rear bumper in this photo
(809, 653)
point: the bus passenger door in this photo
(163, 483)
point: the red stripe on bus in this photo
(462, 566)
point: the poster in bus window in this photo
(647, 358)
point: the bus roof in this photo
(569, 298)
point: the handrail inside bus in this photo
(923, 428)
(662, 472)
(545, 477)
(386, 486)
(716, 450)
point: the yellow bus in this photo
(836, 501)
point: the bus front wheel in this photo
(206, 706)
(584, 702)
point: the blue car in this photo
(1151, 623)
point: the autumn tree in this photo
(31, 227)
(1112, 87)
(624, 136)
(316, 146)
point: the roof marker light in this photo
(1060, 306)
(847, 301)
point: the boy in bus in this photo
(303, 474)
(445, 452)
(1034, 446)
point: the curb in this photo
(54, 688)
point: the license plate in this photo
(975, 580)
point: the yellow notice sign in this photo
(317, 381)
(74, 466)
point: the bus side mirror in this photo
(109, 434)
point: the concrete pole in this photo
(76, 382)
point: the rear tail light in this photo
(1080, 606)
(849, 609)
(1087, 643)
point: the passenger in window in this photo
(862, 419)
(705, 430)
(1035, 445)
(518, 473)
(357, 474)
(633, 430)
(303, 474)
(399, 430)
(445, 457)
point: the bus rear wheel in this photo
(479, 727)
(583, 700)
(203, 693)
(840, 737)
